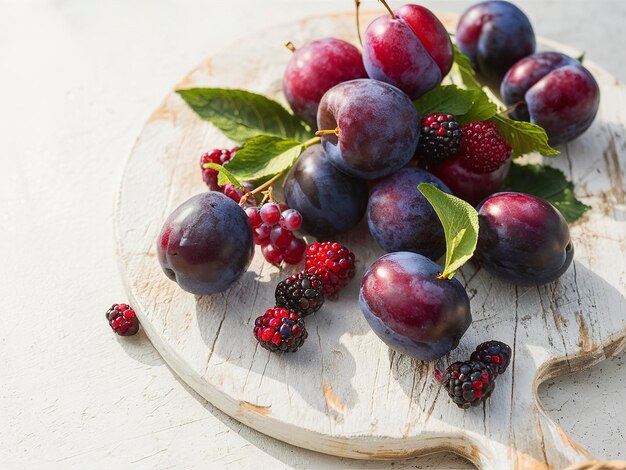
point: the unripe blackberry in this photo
(301, 293)
(494, 354)
(279, 329)
(440, 138)
(468, 383)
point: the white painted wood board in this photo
(345, 393)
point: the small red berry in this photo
(122, 320)
(270, 213)
(294, 253)
(272, 254)
(280, 237)
(254, 216)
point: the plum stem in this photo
(328, 132)
(444, 276)
(289, 45)
(388, 8)
(357, 4)
(512, 108)
(313, 141)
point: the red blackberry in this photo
(468, 383)
(494, 354)
(123, 320)
(219, 156)
(440, 138)
(279, 329)
(301, 293)
(483, 149)
(332, 263)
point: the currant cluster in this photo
(273, 227)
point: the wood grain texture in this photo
(345, 393)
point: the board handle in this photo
(537, 444)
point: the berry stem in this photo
(289, 45)
(328, 132)
(273, 179)
(357, 4)
(388, 8)
(264, 186)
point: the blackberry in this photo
(301, 293)
(122, 320)
(440, 138)
(279, 329)
(468, 383)
(494, 354)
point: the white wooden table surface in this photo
(77, 80)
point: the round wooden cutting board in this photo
(345, 392)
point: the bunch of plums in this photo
(549, 89)
(361, 106)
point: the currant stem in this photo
(388, 8)
(328, 132)
(289, 45)
(255, 191)
(357, 4)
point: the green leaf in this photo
(466, 105)
(549, 184)
(242, 115)
(264, 156)
(524, 137)
(481, 110)
(463, 65)
(445, 99)
(460, 225)
(224, 175)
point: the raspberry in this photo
(439, 139)
(279, 329)
(468, 383)
(219, 156)
(300, 293)
(123, 320)
(332, 263)
(483, 149)
(493, 354)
